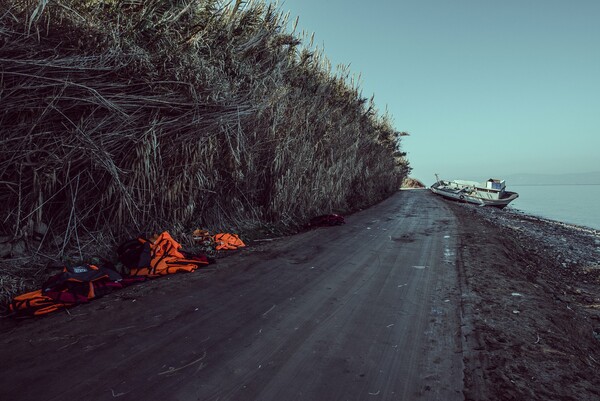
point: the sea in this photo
(573, 204)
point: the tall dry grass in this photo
(126, 116)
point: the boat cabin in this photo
(498, 185)
(491, 189)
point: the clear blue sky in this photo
(485, 88)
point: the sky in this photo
(484, 88)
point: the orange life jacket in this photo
(33, 303)
(228, 241)
(166, 258)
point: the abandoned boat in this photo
(489, 193)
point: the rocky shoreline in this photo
(570, 245)
(530, 304)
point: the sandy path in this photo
(369, 310)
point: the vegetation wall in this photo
(119, 117)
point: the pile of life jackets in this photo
(327, 220)
(145, 258)
(158, 256)
(73, 286)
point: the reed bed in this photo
(126, 116)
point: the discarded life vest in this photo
(74, 285)
(78, 284)
(33, 303)
(327, 220)
(166, 257)
(227, 241)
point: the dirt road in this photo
(368, 310)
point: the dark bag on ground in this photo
(78, 284)
(135, 253)
(327, 220)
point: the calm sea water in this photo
(575, 204)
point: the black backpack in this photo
(134, 254)
(81, 283)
